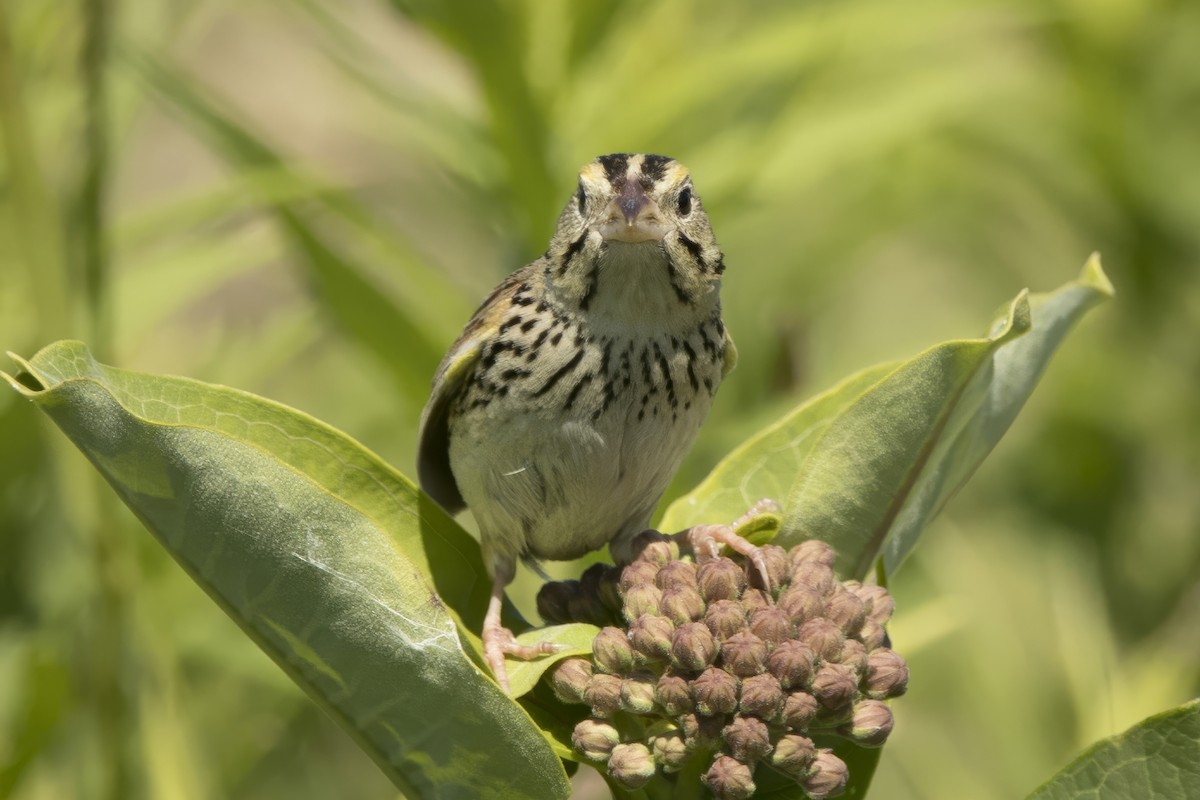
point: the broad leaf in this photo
(856, 479)
(575, 639)
(322, 554)
(865, 465)
(1159, 757)
(989, 405)
(764, 466)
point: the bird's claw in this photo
(707, 540)
(499, 643)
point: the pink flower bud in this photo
(677, 573)
(724, 618)
(878, 601)
(799, 710)
(793, 754)
(872, 635)
(650, 636)
(817, 577)
(595, 739)
(778, 566)
(747, 738)
(655, 547)
(887, 674)
(682, 604)
(854, 656)
(792, 664)
(692, 647)
(844, 609)
(674, 694)
(631, 765)
(639, 573)
(744, 654)
(642, 599)
(669, 749)
(570, 679)
(753, 599)
(612, 652)
(801, 603)
(603, 694)
(729, 779)
(834, 685)
(824, 637)
(827, 776)
(772, 625)
(637, 693)
(720, 579)
(761, 696)
(715, 692)
(870, 725)
(812, 551)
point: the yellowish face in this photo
(635, 198)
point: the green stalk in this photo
(115, 570)
(33, 225)
(92, 227)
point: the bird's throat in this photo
(637, 286)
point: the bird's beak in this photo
(633, 217)
(631, 200)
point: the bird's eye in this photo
(581, 197)
(684, 202)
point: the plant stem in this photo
(34, 223)
(93, 231)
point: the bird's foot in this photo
(707, 540)
(499, 642)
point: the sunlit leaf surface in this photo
(321, 553)
(1159, 757)
(865, 465)
(575, 639)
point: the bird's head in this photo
(640, 211)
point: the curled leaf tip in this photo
(1093, 275)
(24, 369)
(1016, 322)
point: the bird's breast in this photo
(567, 436)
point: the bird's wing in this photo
(730, 355)
(452, 377)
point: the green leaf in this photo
(1159, 757)
(858, 476)
(865, 465)
(575, 639)
(331, 561)
(765, 464)
(989, 405)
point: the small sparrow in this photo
(570, 399)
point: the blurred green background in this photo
(306, 200)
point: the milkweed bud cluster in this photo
(700, 660)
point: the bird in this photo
(574, 392)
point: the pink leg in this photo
(707, 540)
(498, 641)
